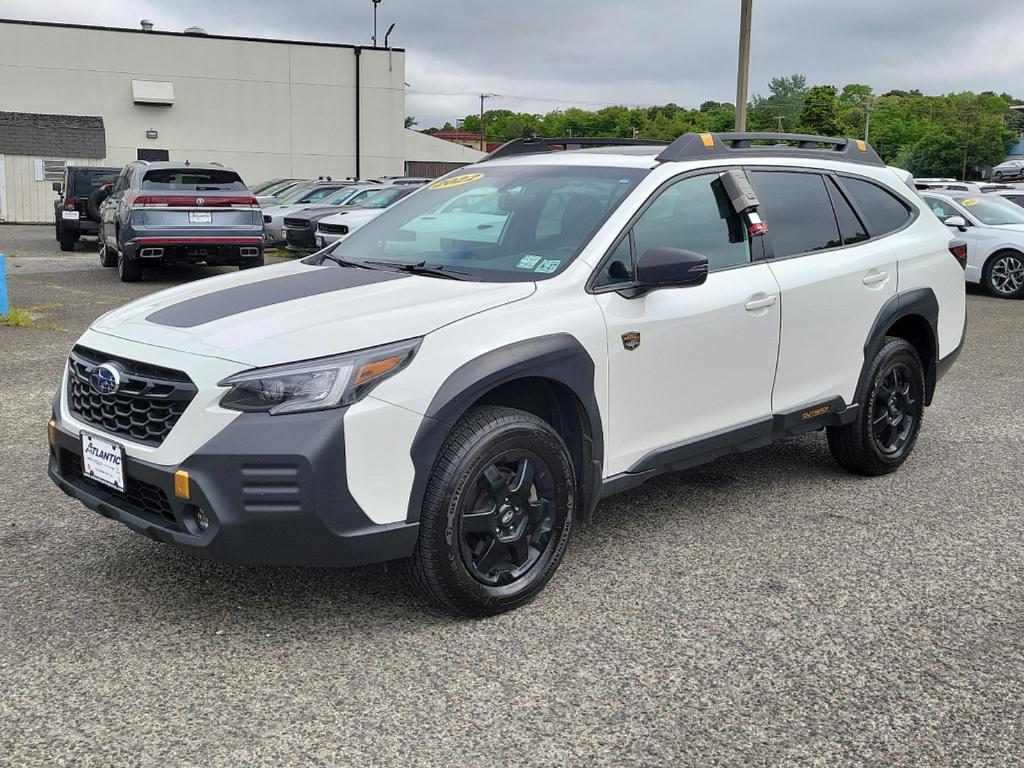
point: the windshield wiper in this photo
(422, 268)
(345, 262)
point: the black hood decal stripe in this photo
(276, 290)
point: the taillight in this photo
(959, 250)
(70, 203)
(192, 201)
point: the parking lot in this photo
(767, 609)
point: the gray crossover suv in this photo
(179, 213)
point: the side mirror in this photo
(957, 221)
(57, 187)
(664, 267)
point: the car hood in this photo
(354, 216)
(298, 311)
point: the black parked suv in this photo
(76, 211)
(179, 213)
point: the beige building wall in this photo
(32, 200)
(266, 109)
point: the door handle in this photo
(755, 304)
(875, 277)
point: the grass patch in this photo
(26, 318)
(17, 318)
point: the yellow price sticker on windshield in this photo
(969, 202)
(456, 181)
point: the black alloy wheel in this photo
(887, 420)
(497, 513)
(894, 415)
(506, 529)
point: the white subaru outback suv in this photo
(461, 399)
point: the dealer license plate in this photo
(320, 242)
(200, 217)
(73, 215)
(103, 461)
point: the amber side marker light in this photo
(708, 140)
(51, 433)
(371, 371)
(181, 486)
(862, 145)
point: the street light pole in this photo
(743, 69)
(483, 136)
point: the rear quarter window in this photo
(881, 210)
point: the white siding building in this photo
(267, 108)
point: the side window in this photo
(798, 211)
(941, 209)
(882, 211)
(850, 227)
(694, 214)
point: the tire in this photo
(487, 543)
(891, 396)
(998, 176)
(56, 227)
(251, 263)
(107, 257)
(1003, 275)
(67, 240)
(94, 201)
(129, 270)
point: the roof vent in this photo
(147, 25)
(196, 31)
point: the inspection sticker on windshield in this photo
(969, 202)
(456, 181)
(548, 265)
(528, 262)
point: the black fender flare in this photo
(560, 358)
(919, 302)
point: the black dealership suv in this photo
(76, 211)
(179, 213)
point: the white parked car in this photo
(274, 215)
(462, 406)
(993, 228)
(340, 225)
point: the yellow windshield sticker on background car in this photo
(969, 202)
(456, 181)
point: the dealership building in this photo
(81, 95)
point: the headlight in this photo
(314, 385)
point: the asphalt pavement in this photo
(765, 610)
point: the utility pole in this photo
(375, 4)
(780, 118)
(483, 135)
(743, 69)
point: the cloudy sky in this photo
(539, 57)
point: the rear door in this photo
(835, 274)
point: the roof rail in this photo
(698, 146)
(538, 144)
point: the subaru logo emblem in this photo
(105, 379)
(200, 201)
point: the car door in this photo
(977, 246)
(835, 276)
(687, 363)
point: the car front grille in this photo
(297, 223)
(144, 409)
(143, 499)
(334, 229)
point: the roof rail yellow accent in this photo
(862, 145)
(708, 139)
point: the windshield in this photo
(290, 194)
(187, 178)
(503, 223)
(993, 210)
(381, 198)
(316, 194)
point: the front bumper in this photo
(273, 489)
(300, 239)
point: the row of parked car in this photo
(171, 212)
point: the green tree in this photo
(820, 114)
